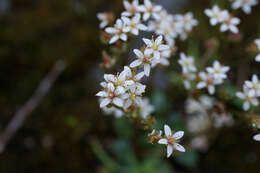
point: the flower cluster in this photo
(245, 5)
(123, 92)
(171, 26)
(251, 93)
(135, 14)
(257, 42)
(171, 140)
(213, 76)
(223, 17)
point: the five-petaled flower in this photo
(171, 140)
(117, 32)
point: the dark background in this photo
(68, 132)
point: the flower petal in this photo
(118, 102)
(169, 150)
(257, 137)
(104, 102)
(178, 135)
(179, 147)
(135, 63)
(167, 130)
(163, 141)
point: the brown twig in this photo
(20, 116)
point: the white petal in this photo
(178, 135)
(255, 102)
(246, 106)
(146, 16)
(103, 24)
(102, 94)
(136, 63)
(142, 27)
(257, 58)
(118, 102)
(139, 76)
(128, 103)
(148, 42)
(240, 95)
(201, 85)
(257, 137)
(158, 40)
(135, 31)
(211, 89)
(119, 90)
(138, 53)
(233, 29)
(123, 37)
(114, 39)
(126, 20)
(179, 147)
(104, 102)
(163, 141)
(156, 54)
(167, 131)
(223, 27)
(163, 47)
(147, 69)
(110, 30)
(169, 150)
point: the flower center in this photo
(133, 25)
(111, 94)
(132, 95)
(255, 86)
(209, 81)
(146, 60)
(154, 46)
(171, 141)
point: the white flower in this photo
(230, 24)
(188, 22)
(244, 4)
(207, 80)
(257, 42)
(216, 15)
(131, 78)
(150, 9)
(117, 32)
(155, 46)
(249, 98)
(134, 95)
(145, 108)
(110, 95)
(145, 59)
(105, 18)
(218, 71)
(187, 63)
(254, 85)
(171, 140)
(133, 25)
(131, 9)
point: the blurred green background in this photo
(68, 132)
